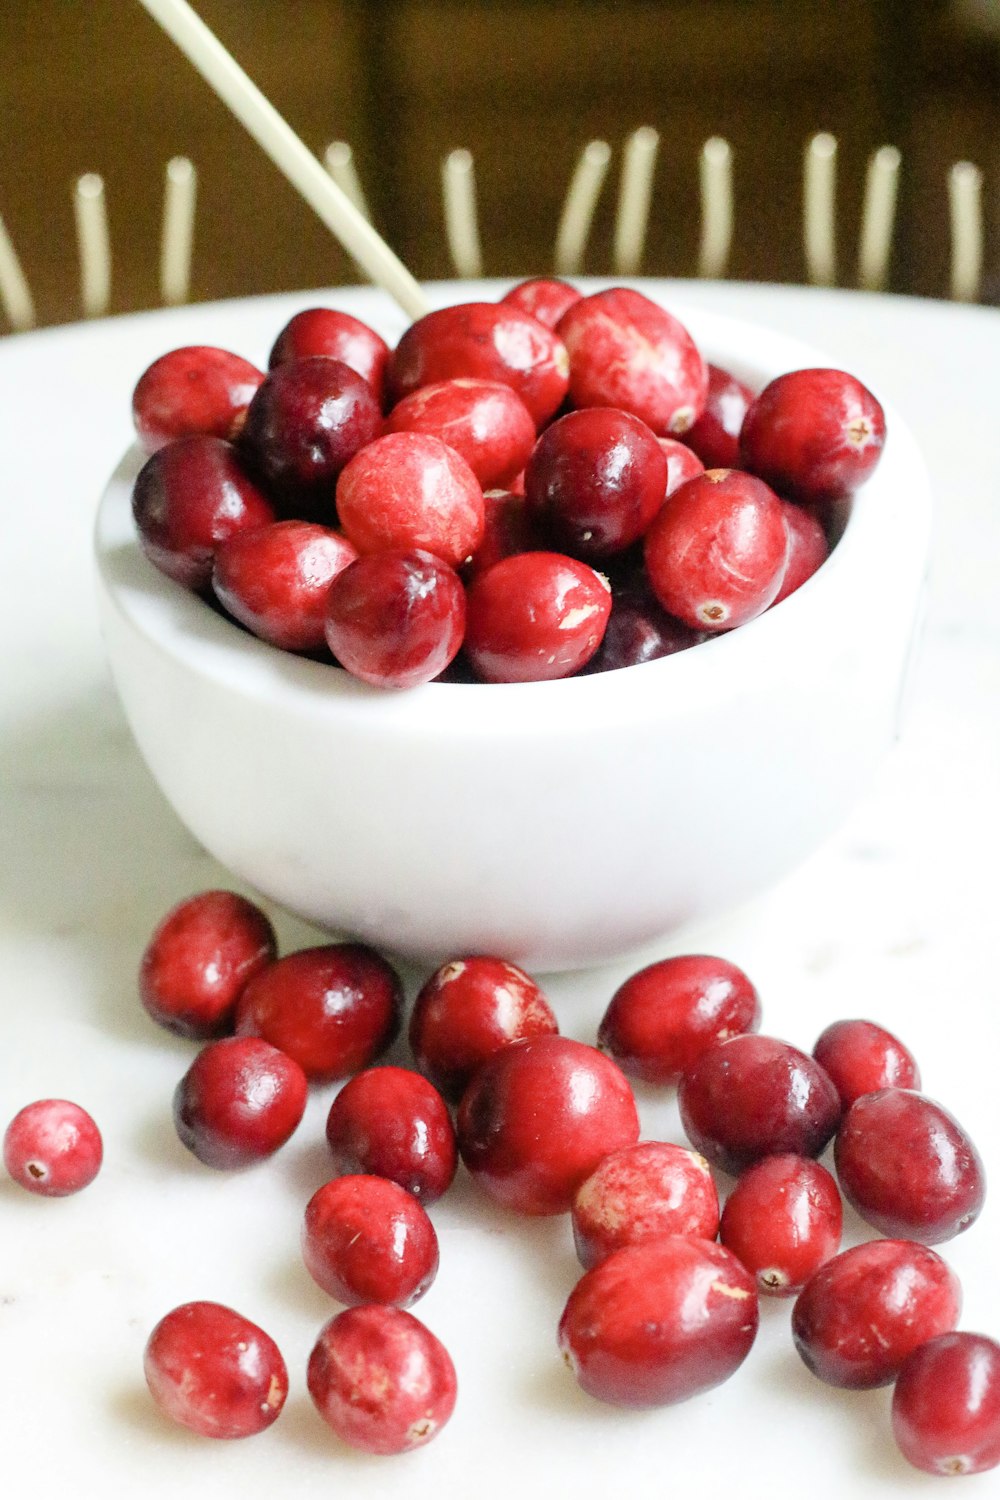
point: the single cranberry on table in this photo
(641, 1193)
(366, 1239)
(391, 1122)
(544, 297)
(813, 434)
(194, 391)
(508, 527)
(946, 1405)
(53, 1148)
(335, 334)
(808, 548)
(862, 1058)
(212, 1370)
(783, 1220)
(483, 420)
(535, 617)
(239, 1102)
(396, 619)
(715, 437)
(409, 490)
(682, 463)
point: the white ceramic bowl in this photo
(558, 824)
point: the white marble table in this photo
(894, 919)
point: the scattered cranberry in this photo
(813, 434)
(195, 391)
(659, 1322)
(544, 297)
(509, 528)
(333, 1008)
(324, 330)
(214, 1371)
(861, 1058)
(535, 617)
(865, 1310)
(389, 1122)
(682, 463)
(483, 420)
(783, 1220)
(641, 1193)
(715, 437)
(946, 1405)
(396, 619)
(908, 1167)
(366, 1239)
(239, 1101)
(410, 490)
(52, 1148)
(808, 548)
(662, 1019)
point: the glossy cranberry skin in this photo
(468, 1009)
(808, 548)
(483, 420)
(193, 391)
(410, 490)
(638, 630)
(538, 1116)
(661, 1019)
(484, 341)
(908, 1167)
(381, 1379)
(629, 352)
(199, 960)
(682, 463)
(657, 1323)
(53, 1148)
(864, 1311)
(716, 552)
(642, 1193)
(535, 617)
(543, 297)
(188, 498)
(396, 619)
(332, 1008)
(783, 1220)
(715, 437)
(240, 1101)
(813, 434)
(862, 1058)
(211, 1369)
(336, 335)
(366, 1239)
(509, 527)
(275, 581)
(946, 1405)
(391, 1122)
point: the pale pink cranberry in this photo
(409, 490)
(396, 619)
(335, 334)
(544, 297)
(391, 1122)
(783, 1220)
(808, 548)
(682, 463)
(639, 630)
(509, 527)
(946, 1405)
(195, 391)
(366, 1239)
(53, 1148)
(381, 1380)
(641, 1193)
(861, 1058)
(535, 617)
(864, 1311)
(483, 420)
(275, 581)
(211, 1369)
(629, 352)
(813, 434)
(240, 1101)
(715, 437)
(657, 1323)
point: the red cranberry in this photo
(381, 1380)
(389, 1122)
(783, 1220)
(864, 1311)
(214, 1371)
(483, 420)
(239, 1101)
(509, 528)
(396, 619)
(808, 548)
(193, 391)
(682, 463)
(660, 1322)
(366, 1239)
(275, 581)
(199, 960)
(584, 1100)
(629, 352)
(535, 617)
(332, 1008)
(410, 490)
(326, 331)
(188, 498)
(715, 437)
(946, 1405)
(484, 341)
(861, 1058)
(638, 630)
(642, 1193)
(467, 1010)
(813, 434)
(52, 1148)
(908, 1167)
(716, 552)
(543, 297)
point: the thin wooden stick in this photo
(965, 197)
(634, 197)
(15, 294)
(715, 171)
(93, 244)
(338, 159)
(461, 222)
(819, 209)
(578, 209)
(878, 218)
(179, 197)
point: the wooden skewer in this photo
(458, 180)
(965, 196)
(820, 209)
(878, 218)
(276, 137)
(339, 161)
(716, 179)
(93, 244)
(179, 197)
(634, 197)
(578, 209)
(15, 294)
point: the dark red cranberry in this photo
(663, 1018)
(195, 391)
(638, 630)
(326, 331)
(716, 552)
(543, 297)
(52, 1147)
(582, 1097)
(657, 1323)
(275, 581)
(239, 1101)
(381, 1380)
(808, 548)
(861, 1058)
(682, 463)
(390, 1122)
(783, 1220)
(214, 1371)
(509, 527)
(483, 420)
(199, 960)
(813, 434)
(467, 1010)
(641, 1193)
(410, 490)
(946, 1405)
(535, 617)
(908, 1167)
(333, 1008)
(864, 1311)
(396, 619)
(629, 352)
(715, 437)
(188, 499)
(366, 1239)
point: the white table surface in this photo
(895, 919)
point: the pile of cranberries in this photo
(519, 491)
